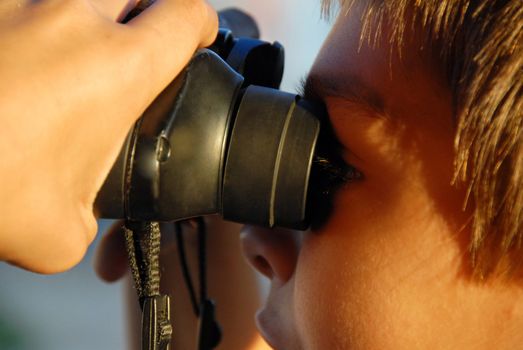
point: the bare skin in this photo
(74, 80)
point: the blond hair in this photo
(480, 44)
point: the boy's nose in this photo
(273, 252)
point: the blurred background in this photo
(75, 310)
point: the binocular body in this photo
(220, 139)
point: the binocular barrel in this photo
(220, 139)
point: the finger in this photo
(175, 19)
(116, 10)
(110, 261)
(170, 31)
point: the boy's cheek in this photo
(371, 269)
(404, 165)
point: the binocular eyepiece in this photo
(220, 139)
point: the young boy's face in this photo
(389, 269)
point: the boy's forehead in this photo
(339, 70)
(324, 83)
(373, 69)
(404, 88)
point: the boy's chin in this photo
(274, 330)
(49, 260)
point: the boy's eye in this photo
(329, 173)
(327, 176)
(329, 170)
(334, 171)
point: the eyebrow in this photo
(316, 87)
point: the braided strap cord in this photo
(142, 241)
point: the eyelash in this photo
(329, 173)
(335, 173)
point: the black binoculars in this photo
(220, 139)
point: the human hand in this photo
(74, 80)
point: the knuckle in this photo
(207, 19)
(212, 18)
(199, 10)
